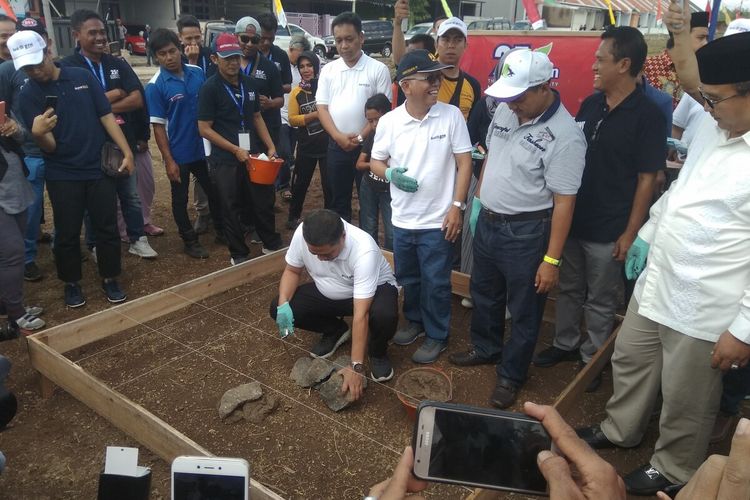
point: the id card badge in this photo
(244, 140)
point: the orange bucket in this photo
(263, 171)
(410, 403)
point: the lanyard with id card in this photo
(243, 135)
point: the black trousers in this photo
(304, 168)
(70, 200)
(317, 313)
(180, 192)
(342, 175)
(237, 196)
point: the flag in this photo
(708, 9)
(532, 12)
(5, 5)
(447, 9)
(611, 14)
(280, 15)
(658, 13)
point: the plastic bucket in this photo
(409, 403)
(263, 171)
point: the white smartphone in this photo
(210, 478)
(479, 447)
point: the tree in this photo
(419, 10)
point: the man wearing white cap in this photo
(71, 135)
(458, 87)
(528, 187)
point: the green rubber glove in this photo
(285, 319)
(401, 181)
(476, 207)
(635, 261)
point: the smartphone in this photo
(210, 478)
(50, 101)
(479, 447)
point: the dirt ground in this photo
(178, 367)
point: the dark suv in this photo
(378, 36)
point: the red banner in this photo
(531, 11)
(571, 53)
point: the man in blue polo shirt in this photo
(71, 136)
(172, 97)
(123, 90)
(229, 116)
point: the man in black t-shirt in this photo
(229, 116)
(626, 147)
(278, 56)
(124, 92)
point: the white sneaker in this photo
(141, 248)
(30, 322)
(467, 303)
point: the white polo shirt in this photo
(345, 90)
(357, 271)
(426, 148)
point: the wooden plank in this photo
(459, 281)
(100, 325)
(126, 415)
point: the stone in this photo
(308, 372)
(299, 370)
(257, 411)
(330, 393)
(237, 396)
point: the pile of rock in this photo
(321, 374)
(248, 402)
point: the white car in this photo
(283, 37)
(418, 29)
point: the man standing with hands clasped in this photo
(689, 317)
(429, 140)
(350, 277)
(528, 189)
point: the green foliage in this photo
(419, 11)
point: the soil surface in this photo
(419, 384)
(178, 367)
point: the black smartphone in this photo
(479, 447)
(50, 101)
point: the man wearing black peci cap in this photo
(423, 148)
(689, 318)
(228, 114)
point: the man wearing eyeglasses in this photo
(429, 140)
(528, 189)
(626, 146)
(689, 318)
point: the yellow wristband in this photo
(554, 262)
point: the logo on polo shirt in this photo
(81, 87)
(347, 276)
(438, 137)
(251, 95)
(114, 74)
(500, 130)
(278, 65)
(539, 141)
(364, 84)
(176, 97)
(259, 73)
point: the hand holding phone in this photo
(50, 101)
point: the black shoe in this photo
(595, 437)
(195, 250)
(31, 272)
(328, 344)
(381, 369)
(9, 331)
(553, 355)
(469, 358)
(504, 395)
(8, 408)
(74, 295)
(646, 481)
(113, 292)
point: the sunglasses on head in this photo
(250, 39)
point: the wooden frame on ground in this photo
(46, 351)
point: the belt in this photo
(539, 214)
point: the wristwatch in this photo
(360, 139)
(358, 367)
(460, 204)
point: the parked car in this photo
(418, 29)
(282, 39)
(522, 26)
(495, 23)
(134, 42)
(212, 29)
(378, 35)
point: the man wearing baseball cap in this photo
(527, 188)
(11, 81)
(229, 118)
(71, 136)
(429, 140)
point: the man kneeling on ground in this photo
(350, 277)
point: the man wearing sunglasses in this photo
(528, 189)
(429, 140)
(689, 318)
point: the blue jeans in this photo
(130, 205)
(35, 164)
(507, 255)
(341, 176)
(373, 203)
(423, 267)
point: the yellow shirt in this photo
(467, 98)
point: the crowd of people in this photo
(506, 185)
